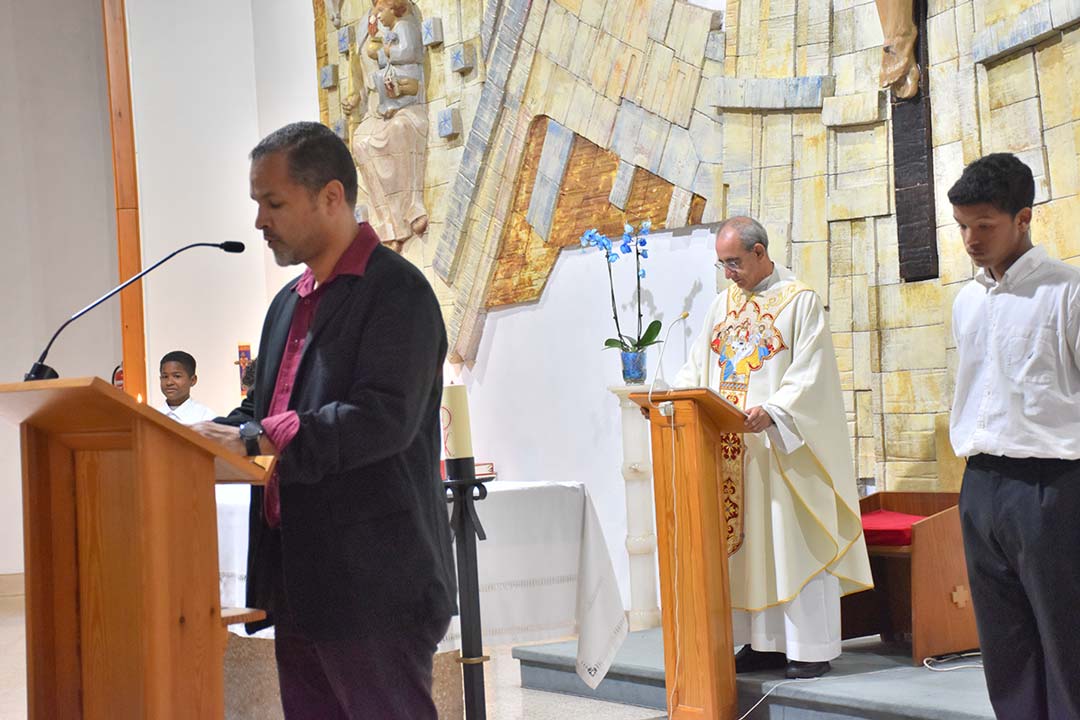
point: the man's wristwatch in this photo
(249, 433)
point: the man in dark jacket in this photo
(349, 543)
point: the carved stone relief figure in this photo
(333, 11)
(899, 68)
(390, 145)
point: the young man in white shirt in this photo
(177, 378)
(1016, 418)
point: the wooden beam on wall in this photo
(128, 245)
(913, 150)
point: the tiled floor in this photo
(12, 659)
(506, 700)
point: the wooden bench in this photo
(921, 590)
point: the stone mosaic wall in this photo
(595, 189)
(770, 108)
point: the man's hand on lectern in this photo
(757, 419)
(227, 435)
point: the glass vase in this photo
(633, 367)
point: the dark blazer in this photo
(364, 539)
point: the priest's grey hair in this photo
(749, 230)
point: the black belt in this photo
(1023, 466)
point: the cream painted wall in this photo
(285, 83)
(196, 117)
(208, 80)
(57, 220)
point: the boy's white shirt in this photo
(189, 412)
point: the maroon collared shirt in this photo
(281, 424)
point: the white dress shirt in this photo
(1018, 375)
(189, 412)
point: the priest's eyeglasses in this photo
(729, 264)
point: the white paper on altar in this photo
(544, 570)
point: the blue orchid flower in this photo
(631, 242)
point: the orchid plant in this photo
(636, 242)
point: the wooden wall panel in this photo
(125, 180)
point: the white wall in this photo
(196, 118)
(286, 82)
(538, 398)
(57, 213)
(209, 80)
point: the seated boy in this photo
(177, 379)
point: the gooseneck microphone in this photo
(41, 371)
(663, 347)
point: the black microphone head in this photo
(232, 246)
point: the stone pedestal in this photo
(640, 512)
(446, 686)
(252, 692)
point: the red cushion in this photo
(885, 527)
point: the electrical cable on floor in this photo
(935, 664)
(785, 682)
(929, 663)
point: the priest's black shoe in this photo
(750, 660)
(797, 670)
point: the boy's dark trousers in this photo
(1021, 525)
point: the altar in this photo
(544, 570)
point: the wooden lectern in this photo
(123, 612)
(699, 663)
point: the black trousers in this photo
(384, 675)
(1021, 525)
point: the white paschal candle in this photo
(457, 437)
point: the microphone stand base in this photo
(40, 371)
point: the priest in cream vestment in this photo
(795, 535)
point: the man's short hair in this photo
(749, 230)
(316, 156)
(1000, 179)
(179, 356)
